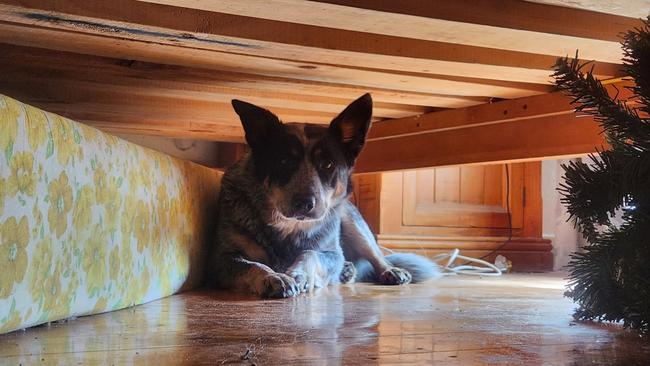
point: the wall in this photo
(555, 227)
(198, 151)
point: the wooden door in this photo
(464, 197)
(435, 210)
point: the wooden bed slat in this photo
(171, 67)
(372, 19)
(515, 130)
(98, 44)
(50, 63)
(521, 140)
(274, 39)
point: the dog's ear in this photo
(259, 124)
(351, 126)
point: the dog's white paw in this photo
(395, 276)
(305, 271)
(306, 281)
(301, 279)
(279, 285)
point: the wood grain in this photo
(68, 32)
(515, 319)
(551, 104)
(585, 22)
(307, 43)
(441, 202)
(158, 78)
(532, 139)
(629, 8)
(473, 183)
(522, 129)
(424, 22)
(405, 212)
(122, 64)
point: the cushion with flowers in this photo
(91, 223)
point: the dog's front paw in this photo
(306, 281)
(301, 279)
(279, 285)
(348, 273)
(395, 276)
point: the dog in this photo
(285, 224)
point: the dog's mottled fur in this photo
(285, 224)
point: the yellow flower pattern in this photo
(34, 122)
(82, 211)
(39, 267)
(9, 112)
(101, 186)
(114, 263)
(22, 178)
(100, 305)
(63, 136)
(13, 320)
(52, 290)
(89, 222)
(94, 260)
(14, 237)
(3, 188)
(141, 224)
(60, 203)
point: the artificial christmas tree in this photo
(609, 198)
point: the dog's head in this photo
(306, 168)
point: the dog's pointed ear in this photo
(351, 126)
(259, 123)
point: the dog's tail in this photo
(421, 268)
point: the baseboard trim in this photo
(526, 254)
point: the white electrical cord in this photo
(488, 269)
(449, 269)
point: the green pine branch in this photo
(636, 47)
(610, 278)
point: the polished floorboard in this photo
(515, 319)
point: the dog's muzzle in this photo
(303, 207)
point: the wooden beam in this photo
(289, 41)
(426, 23)
(101, 45)
(107, 93)
(190, 131)
(47, 63)
(143, 98)
(512, 14)
(521, 140)
(90, 72)
(628, 8)
(515, 130)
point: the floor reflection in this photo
(453, 321)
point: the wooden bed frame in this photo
(454, 83)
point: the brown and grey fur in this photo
(285, 224)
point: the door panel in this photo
(464, 197)
(472, 185)
(446, 185)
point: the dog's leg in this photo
(359, 243)
(315, 269)
(261, 280)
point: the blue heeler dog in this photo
(285, 224)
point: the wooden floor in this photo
(516, 319)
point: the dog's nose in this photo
(304, 204)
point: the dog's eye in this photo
(284, 161)
(326, 165)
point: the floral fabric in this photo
(91, 223)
